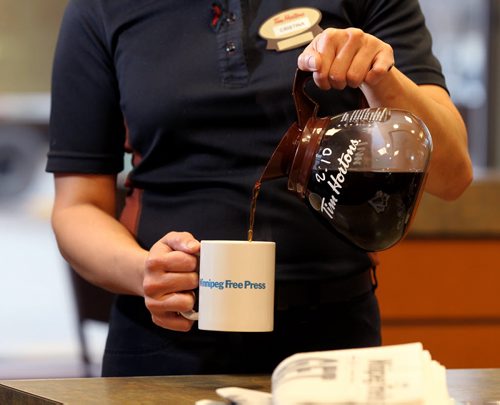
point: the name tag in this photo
(291, 28)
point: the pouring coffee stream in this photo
(362, 172)
(282, 157)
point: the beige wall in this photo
(28, 32)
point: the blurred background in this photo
(39, 323)
(438, 286)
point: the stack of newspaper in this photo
(399, 374)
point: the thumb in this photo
(182, 241)
(309, 61)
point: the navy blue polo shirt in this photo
(201, 106)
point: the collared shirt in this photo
(201, 107)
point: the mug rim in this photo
(237, 242)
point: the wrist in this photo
(388, 91)
(140, 267)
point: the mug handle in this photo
(192, 315)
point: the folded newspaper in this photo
(399, 374)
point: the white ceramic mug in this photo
(236, 289)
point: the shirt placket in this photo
(231, 54)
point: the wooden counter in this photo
(469, 387)
(136, 390)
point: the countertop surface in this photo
(466, 386)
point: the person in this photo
(193, 93)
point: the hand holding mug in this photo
(170, 276)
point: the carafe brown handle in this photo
(279, 164)
(305, 106)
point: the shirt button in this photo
(230, 47)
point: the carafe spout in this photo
(281, 160)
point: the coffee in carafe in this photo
(361, 172)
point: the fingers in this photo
(316, 56)
(173, 321)
(346, 57)
(182, 241)
(161, 260)
(175, 252)
(174, 302)
(338, 65)
(170, 275)
(309, 60)
(381, 67)
(164, 309)
(162, 283)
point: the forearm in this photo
(105, 253)
(99, 248)
(450, 170)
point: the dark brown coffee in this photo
(253, 207)
(370, 209)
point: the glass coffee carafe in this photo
(361, 172)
